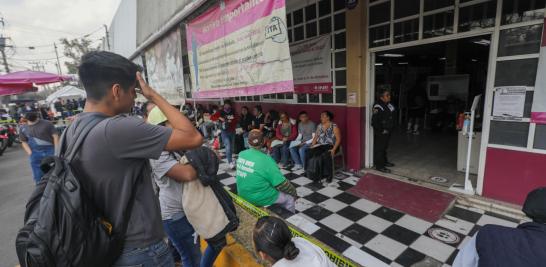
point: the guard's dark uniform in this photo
(383, 123)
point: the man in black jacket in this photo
(383, 124)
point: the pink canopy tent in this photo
(22, 81)
(35, 77)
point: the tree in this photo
(74, 49)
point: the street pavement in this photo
(16, 185)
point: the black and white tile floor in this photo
(371, 234)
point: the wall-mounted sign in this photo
(311, 61)
(240, 49)
(509, 102)
(350, 4)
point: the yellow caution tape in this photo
(257, 212)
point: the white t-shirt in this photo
(310, 255)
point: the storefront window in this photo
(341, 78)
(339, 40)
(406, 31)
(325, 25)
(478, 16)
(404, 8)
(437, 4)
(338, 5)
(380, 13)
(289, 20)
(314, 98)
(540, 136)
(520, 41)
(307, 23)
(327, 98)
(521, 72)
(509, 133)
(514, 11)
(438, 24)
(302, 98)
(311, 29)
(324, 8)
(310, 12)
(340, 59)
(298, 33)
(379, 36)
(339, 21)
(341, 95)
(298, 16)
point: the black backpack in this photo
(62, 226)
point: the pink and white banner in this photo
(311, 64)
(240, 47)
(538, 112)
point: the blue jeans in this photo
(227, 140)
(298, 154)
(281, 152)
(181, 234)
(155, 255)
(209, 257)
(35, 160)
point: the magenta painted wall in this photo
(510, 175)
(350, 121)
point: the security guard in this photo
(383, 124)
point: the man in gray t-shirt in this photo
(112, 163)
(306, 129)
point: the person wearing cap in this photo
(169, 175)
(496, 245)
(258, 178)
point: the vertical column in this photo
(357, 38)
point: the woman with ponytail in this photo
(274, 243)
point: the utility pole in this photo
(107, 36)
(59, 71)
(3, 52)
(3, 46)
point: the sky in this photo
(40, 23)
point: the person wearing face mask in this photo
(228, 124)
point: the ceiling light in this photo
(442, 58)
(392, 55)
(379, 64)
(474, 60)
(403, 63)
(483, 42)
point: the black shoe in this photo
(389, 164)
(383, 169)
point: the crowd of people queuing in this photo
(153, 175)
(178, 196)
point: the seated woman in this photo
(285, 132)
(325, 144)
(274, 243)
(258, 178)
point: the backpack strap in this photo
(68, 151)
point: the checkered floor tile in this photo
(371, 234)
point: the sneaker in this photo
(297, 167)
(232, 165)
(280, 165)
(389, 164)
